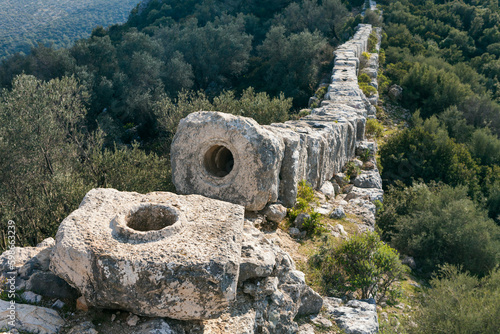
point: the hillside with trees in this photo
(103, 112)
(24, 24)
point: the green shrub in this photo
(439, 224)
(352, 170)
(367, 89)
(362, 262)
(305, 196)
(460, 303)
(364, 78)
(374, 128)
(320, 92)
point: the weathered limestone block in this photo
(30, 318)
(227, 157)
(355, 317)
(158, 254)
(292, 166)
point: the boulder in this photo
(327, 189)
(226, 157)
(29, 318)
(301, 219)
(355, 317)
(372, 194)
(310, 302)
(274, 212)
(337, 213)
(49, 285)
(159, 254)
(368, 179)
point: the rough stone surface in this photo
(274, 212)
(301, 219)
(338, 213)
(226, 157)
(328, 189)
(187, 270)
(31, 297)
(50, 285)
(371, 194)
(84, 328)
(368, 179)
(306, 329)
(35, 319)
(355, 317)
(310, 302)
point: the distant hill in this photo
(24, 24)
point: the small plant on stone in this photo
(314, 225)
(320, 92)
(365, 156)
(374, 128)
(352, 170)
(305, 196)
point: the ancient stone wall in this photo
(235, 159)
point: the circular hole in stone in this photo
(152, 218)
(218, 161)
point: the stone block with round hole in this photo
(159, 254)
(227, 157)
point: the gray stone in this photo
(31, 297)
(58, 304)
(372, 194)
(310, 302)
(85, 327)
(274, 212)
(30, 318)
(294, 232)
(231, 158)
(306, 329)
(356, 317)
(368, 179)
(301, 219)
(328, 189)
(158, 254)
(321, 321)
(395, 92)
(341, 179)
(156, 326)
(49, 285)
(338, 213)
(258, 257)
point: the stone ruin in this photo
(190, 257)
(234, 159)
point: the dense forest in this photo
(24, 24)
(102, 113)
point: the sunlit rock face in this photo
(158, 254)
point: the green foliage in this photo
(305, 197)
(53, 162)
(362, 262)
(426, 152)
(367, 89)
(364, 78)
(374, 128)
(438, 225)
(432, 90)
(351, 170)
(460, 303)
(258, 106)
